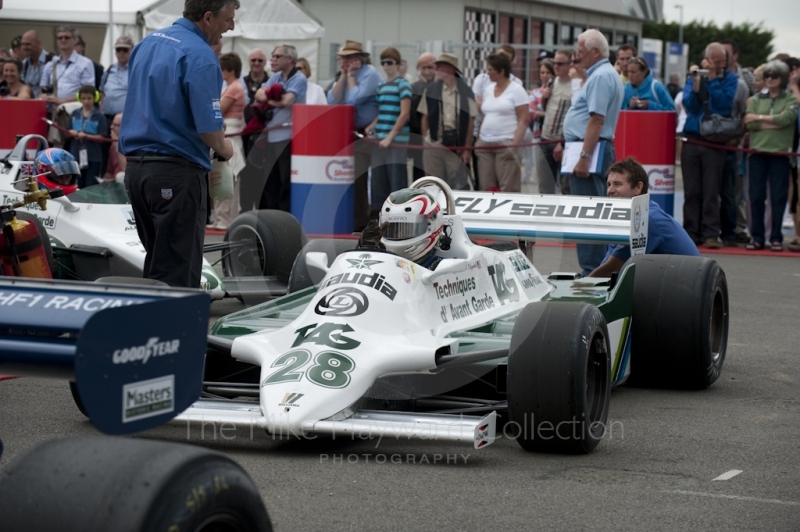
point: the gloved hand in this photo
(372, 234)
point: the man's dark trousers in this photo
(278, 187)
(169, 204)
(727, 197)
(702, 169)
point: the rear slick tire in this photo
(302, 276)
(680, 322)
(274, 239)
(127, 485)
(559, 373)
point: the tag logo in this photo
(506, 289)
(166, 193)
(328, 334)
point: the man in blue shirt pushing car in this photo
(627, 179)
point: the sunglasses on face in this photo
(277, 56)
(772, 75)
(388, 62)
(64, 37)
(123, 50)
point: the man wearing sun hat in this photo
(448, 111)
(357, 85)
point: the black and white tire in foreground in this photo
(559, 377)
(680, 322)
(127, 485)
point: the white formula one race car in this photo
(92, 235)
(378, 346)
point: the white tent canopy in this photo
(261, 24)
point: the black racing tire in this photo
(73, 389)
(559, 374)
(303, 277)
(276, 237)
(48, 248)
(127, 485)
(680, 322)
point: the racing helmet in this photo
(415, 223)
(60, 169)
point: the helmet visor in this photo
(66, 168)
(405, 227)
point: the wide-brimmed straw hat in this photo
(449, 59)
(351, 48)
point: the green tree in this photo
(755, 42)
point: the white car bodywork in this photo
(377, 315)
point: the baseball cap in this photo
(123, 42)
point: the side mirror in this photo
(445, 267)
(318, 260)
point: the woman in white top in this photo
(314, 93)
(505, 119)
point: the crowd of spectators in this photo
(429, 115)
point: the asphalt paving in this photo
(727, 458)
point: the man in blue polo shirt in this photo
(665, 235)
(172, 118)
(592, 118)
(276, 193)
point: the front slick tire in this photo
(127, 485)
(680, 322)
(558, 377)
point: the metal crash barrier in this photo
(135, 354)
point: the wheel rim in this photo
(596, 383)
(717, 328)
(221, 522)
(248, 259)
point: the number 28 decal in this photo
(330, 369)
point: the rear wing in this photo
(136, 354)
(579, 219)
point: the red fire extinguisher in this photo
(22, 251)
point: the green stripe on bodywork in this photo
(620, 301)
(620, 349)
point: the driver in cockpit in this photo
(57, 168)
(410, 225)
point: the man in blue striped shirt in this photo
(65, 74)
(390, 127)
